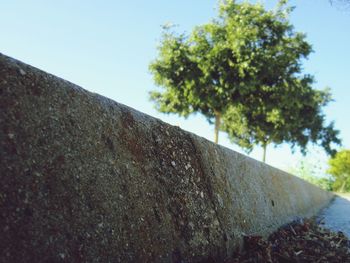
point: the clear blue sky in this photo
(106, 46)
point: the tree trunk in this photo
(217, 126)
(264, 154)
(342, 186)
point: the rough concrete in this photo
(86, 179)
(337, 215)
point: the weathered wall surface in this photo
(85, 179)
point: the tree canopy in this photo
(219, 63)
(243, 71)
(339, 167)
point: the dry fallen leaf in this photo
(300, 241)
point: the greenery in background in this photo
(242, 71)
(339, 168)
(312, 171)
(338, 173)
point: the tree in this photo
(243, 71)
(339, 167)
(222, 63)
(282, 106)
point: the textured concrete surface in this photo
(337, 215)
(86, 179)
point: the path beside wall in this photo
(337, 215)
(86, 179)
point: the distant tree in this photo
(224, 63)
(339, 167)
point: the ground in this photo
(337, 216)
(321, 239)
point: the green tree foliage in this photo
(290, 113)
(339, 167)
(311, 171)
(323, 182)
(219, 63)
(243, 72)
(281, 105)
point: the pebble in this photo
(22, 72)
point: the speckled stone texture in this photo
(86, 179)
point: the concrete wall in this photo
(86, 179)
